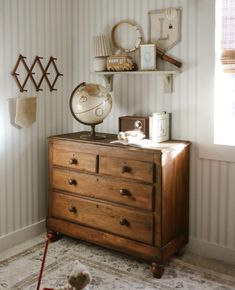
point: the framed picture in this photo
(165, 27)
(147, 57)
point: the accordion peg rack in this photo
(30, 74)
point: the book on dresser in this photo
(133, 200)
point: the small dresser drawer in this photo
(133, 224)
(75, 160)
(74, 182)
(130, 193)
(138, 170)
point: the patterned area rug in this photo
(110, 270)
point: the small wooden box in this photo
(127, 123)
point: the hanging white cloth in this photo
(26, 108)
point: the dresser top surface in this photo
(76, 137)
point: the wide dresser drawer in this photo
(134, 194)
(133, 224)
(127, 168)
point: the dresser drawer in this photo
(134, 194)
(75, 160)
(132, 169)
(133, 224)
(74, 182)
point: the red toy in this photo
(49, 236)
(79, 277)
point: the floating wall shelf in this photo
(166, 75)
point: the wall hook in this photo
(30, 74)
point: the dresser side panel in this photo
(175, 194)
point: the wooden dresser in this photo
(129, 199)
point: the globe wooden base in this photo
(89, 137)
(92, 135)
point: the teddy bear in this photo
(79, 278)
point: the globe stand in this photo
(92, 135)
(89, 105)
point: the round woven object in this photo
(137, 33)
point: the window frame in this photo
(206, 67)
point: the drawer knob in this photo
(124, 192)
(123, 222)
(73, 209)
(72, 182)
(126, 168)
(73, 161)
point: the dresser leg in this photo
(54, 236)
(180, 252)
(157, 269)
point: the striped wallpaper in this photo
(65, 28)
(31, 28)
(212, 195)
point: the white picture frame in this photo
(148, 57)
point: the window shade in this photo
(228, 36)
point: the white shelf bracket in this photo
(168, 83)
(108, 79)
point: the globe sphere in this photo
(90, 103)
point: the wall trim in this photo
(217, 152)
(212, 251)
(15, 238)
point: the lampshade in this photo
(101, 46)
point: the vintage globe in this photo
(90, 104)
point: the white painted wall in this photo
(65, 29)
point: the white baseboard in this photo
(212, 251)
(12, 239)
